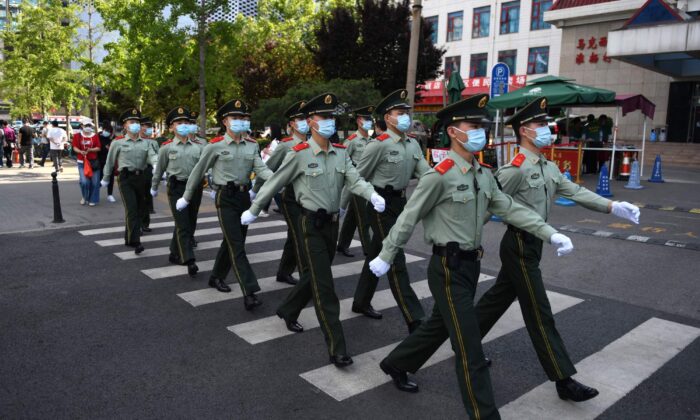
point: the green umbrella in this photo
(558, 91)
(455, 86)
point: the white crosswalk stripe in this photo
(364, 374)
(270, 328)
(120, 229)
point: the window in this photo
(510, 16)
(454, 26)
(452, 64)
(509, 58)
(480, 22)
(477, 67)
(432, 22)
(537, 18)
(538, 60)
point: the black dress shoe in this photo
(569, 389)
(292, 325)
(138, 249)
(345, 252)
(341, 360)
(400, 378)
(369, 312)
(219, 285)
(146, 229)
(192, 269)
(414, 326)
(251, 301)
(286, 278)
(174, 259)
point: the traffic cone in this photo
(634, 182)
(603, 188)
(15, 156)
(563, 201)
(656, 175)
(624, 174)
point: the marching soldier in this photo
(232, 159)
(388, 163)
(178, 158)
(147, 135)
(298, 128)
(133, 154)
(452, 200)
(356, 215)
(534, 182)
(318, 170)
(196, 198)
(194, 128)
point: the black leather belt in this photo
(232, 186)
(174, 180)
(320, 214)
(389, 191)
(470, 255)
(127, 171)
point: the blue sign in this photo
(499, 79)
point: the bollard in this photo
(57, 214)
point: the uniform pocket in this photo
(314, 178)
(460, 202)
(340, 176)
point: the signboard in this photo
(565, 159)
(438, 155)
(499, 80)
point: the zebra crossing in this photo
(616, 369)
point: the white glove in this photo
(252, 194)
(626, 210)
(212, 194)
(104, 183)
(563, 244)
(154, 193)
(247, 217)
(181, 203)
(343, 212)
(378, 202)
(379, 267)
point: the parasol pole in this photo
(644, 140)
(612, 160)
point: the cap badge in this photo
(237, 104)
(483, 101)
(180, 111)
(403, 94)
(328, 99)
(543, 103)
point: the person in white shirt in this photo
(44, 142)
(57, 141)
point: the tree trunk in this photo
(202, 40)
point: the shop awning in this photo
(431, 93)
(558, 91)
(630, 102)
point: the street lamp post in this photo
(413, 50)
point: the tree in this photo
(371, 40)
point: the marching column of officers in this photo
(364, 182)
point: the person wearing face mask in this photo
(86, 145)
(232, 159)
(534, 182)
(452, 200)
(194, 129)
(291, 257)
(147, 135)
(356, 215)
(131, 154)
(106, 138)
(178, 158)
(388, 163)
(318, 170)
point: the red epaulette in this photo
(340, 146)
(286, 139)
(351, 136)
(301, 146)
(251, 140)
(485, 165)
(444, 166)
(216, 139)
(166, 142)
(119, 138)
(518, 160)
(383, 137)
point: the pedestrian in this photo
(57, 142)
(86, 145)
(232, 159)
(106, 137)
(452, 201)
(356, 214)
(26, 145)
(10, 143)
(318, 170)
(3, 144)
(44, 142)
(178, 158)
(131, 154)
(388, 163)
(147, 135)
(535, 182)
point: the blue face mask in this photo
(246, 125)
(403, 122)
(366, 125)
(543, 137)
(148, 132)
(193, 128)
(183, 130)
(134, 128)
(326, 128)
(302, 126)
(476, 139)
(237, 126)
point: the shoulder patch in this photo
(166, 142)
(216, 139)
(518, 160)
(444, 166)
(119, 138)
(301, 146)
(351, 136)
(286, 139)
(339, 146)
(383, 137)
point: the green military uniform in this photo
(132, 156)
(318, 178)
(148, 177)
(452, 200)
(388, 163)
(291, 256)
(178, 158)
(356, 216)
(196, 198)
(232, 163)
(534, 182)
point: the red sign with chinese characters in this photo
(589, 50)
(432, 91)
(565, 159)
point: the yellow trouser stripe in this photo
(290, 225)
(231, 249)
(535, 306)
(395, 277)
(126, 212)
(360, 227)
(177, 234)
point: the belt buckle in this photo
(403, 193)
(479, 254)
(335, 217)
